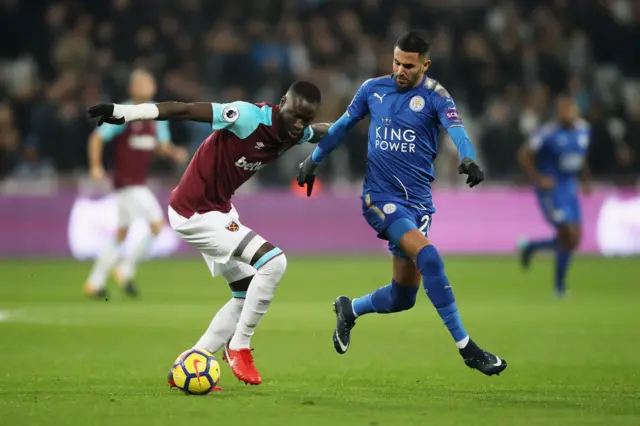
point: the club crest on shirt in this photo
(389, 208)
(416, 103)
(230, 114)
(232, 226)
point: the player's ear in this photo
(426, 64)
(283, 100)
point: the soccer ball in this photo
(195, 372)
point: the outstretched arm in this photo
(197, 111)
(317, 131)
(333, 136)
(120, 114)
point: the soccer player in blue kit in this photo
(406, 110)
(554, 161)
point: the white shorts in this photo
(225, 243)
(137, 202)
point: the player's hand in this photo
(180, 155)
(104, 114)
(474, 173)
(545, 183)
(306, 174)
(97, 173)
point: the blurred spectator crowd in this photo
(503, 62)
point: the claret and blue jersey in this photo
(560, 154)
(402, 147)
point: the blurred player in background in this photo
(135, 145)
(554, 160)
(406, 110)
(246, 138)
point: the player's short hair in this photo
(307, 90)
(413, 41)
(139, 71)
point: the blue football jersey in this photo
(561, 152)
(403, 137)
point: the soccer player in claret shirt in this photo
(245, 139)
(554, 162)
(406, 110)
(135, 146)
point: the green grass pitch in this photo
(65, 360)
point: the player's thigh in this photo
(405, 227)
(147, 207)
(237, 274)
(125, 207)
(214, 234)
(558, 207)
(562, 210)
(231, 271)
(569, 235)
(405, 271)
(382, 216)
(414, 216)
(222, 238)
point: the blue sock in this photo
(439, 291)
(563, 259)
(391, 298)
(535, 245)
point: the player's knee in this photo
(566, 238)
(576, 237)
(156, 227)
(273, 263)
(121, 234)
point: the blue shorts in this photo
(559, 207)
(381, 214)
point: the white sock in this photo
(259, 296)
(106, 260)
(129, 264)
(463, 343)
(222, 326)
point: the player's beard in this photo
(408, 85)
(282, 129)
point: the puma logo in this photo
(379, 97)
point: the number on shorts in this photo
(424, 228)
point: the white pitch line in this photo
(3, 315)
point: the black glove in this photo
(105, 113)
(306, 174)
(474, 173)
